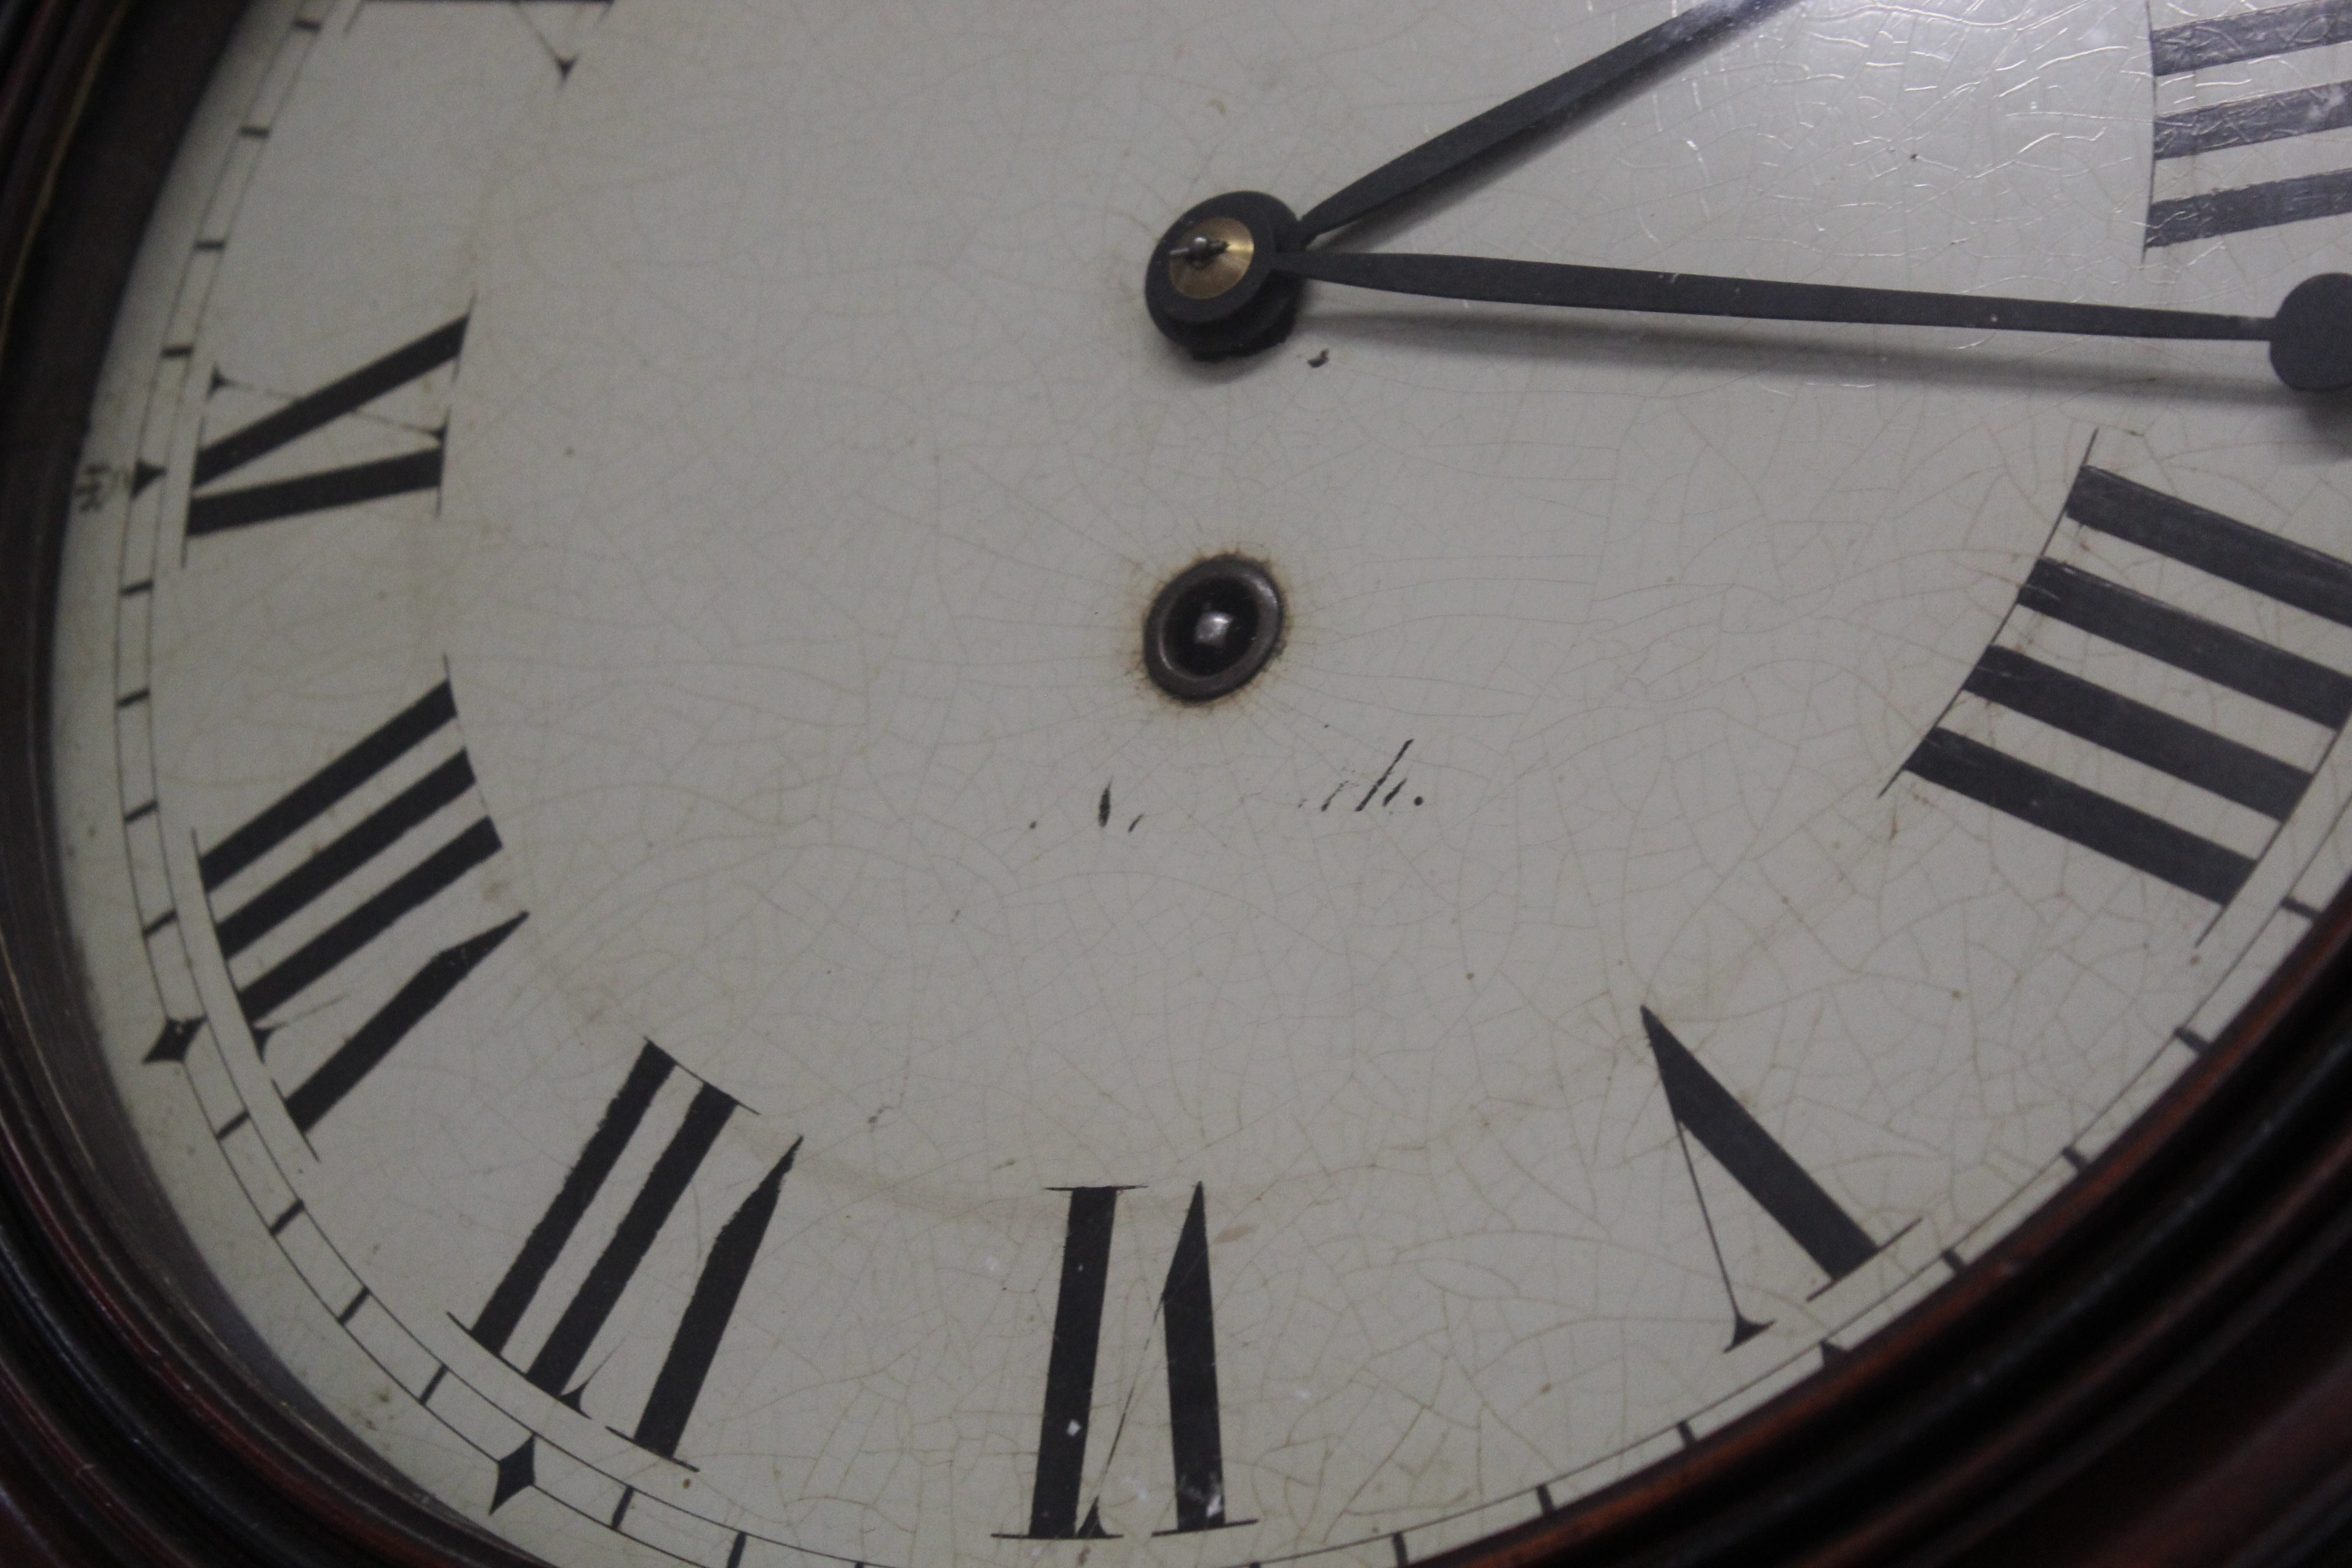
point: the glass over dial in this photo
(886, 784)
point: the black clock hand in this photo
(1505, 282)
(2310, 338)
(1226, 279)
(1202, 289)
(1232, 286)
(1577, 88)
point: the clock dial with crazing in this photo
(773, 884)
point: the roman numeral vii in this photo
(285, 922)
(1189, 1326)
(213, 509)
(677, 1386)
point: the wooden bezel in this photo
(2154, 1369)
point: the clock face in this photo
(728, 960)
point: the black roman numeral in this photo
(1188, 1325)
(694, 1346)
(1703, 1108)
(327, 868)
(215, 510)
(2252, 34)
(2277, 568)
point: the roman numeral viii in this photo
(725, 1268)
(1706, 1110)
(285, 919)
(1188, 1323)
(2274, 568)
(2249, 121)
(215, 509)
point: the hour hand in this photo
(2310, 337)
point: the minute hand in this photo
(1572, 92)
(2308, 337)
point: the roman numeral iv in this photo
(2264, 563)
(216, 508)
(2235, 204)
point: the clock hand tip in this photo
(1209, 286)
(2311, 336)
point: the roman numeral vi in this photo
(212, 509)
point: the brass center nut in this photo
(1210, 257)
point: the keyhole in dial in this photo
(1213, 627)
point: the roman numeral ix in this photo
(2277, 568)
(1188, 1325)
(2246, 122)
(1703, 1108)
(215, 510)
(728, 1264)
(295, 894)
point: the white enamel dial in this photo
(656, 929)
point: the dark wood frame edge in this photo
(140, 1422)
